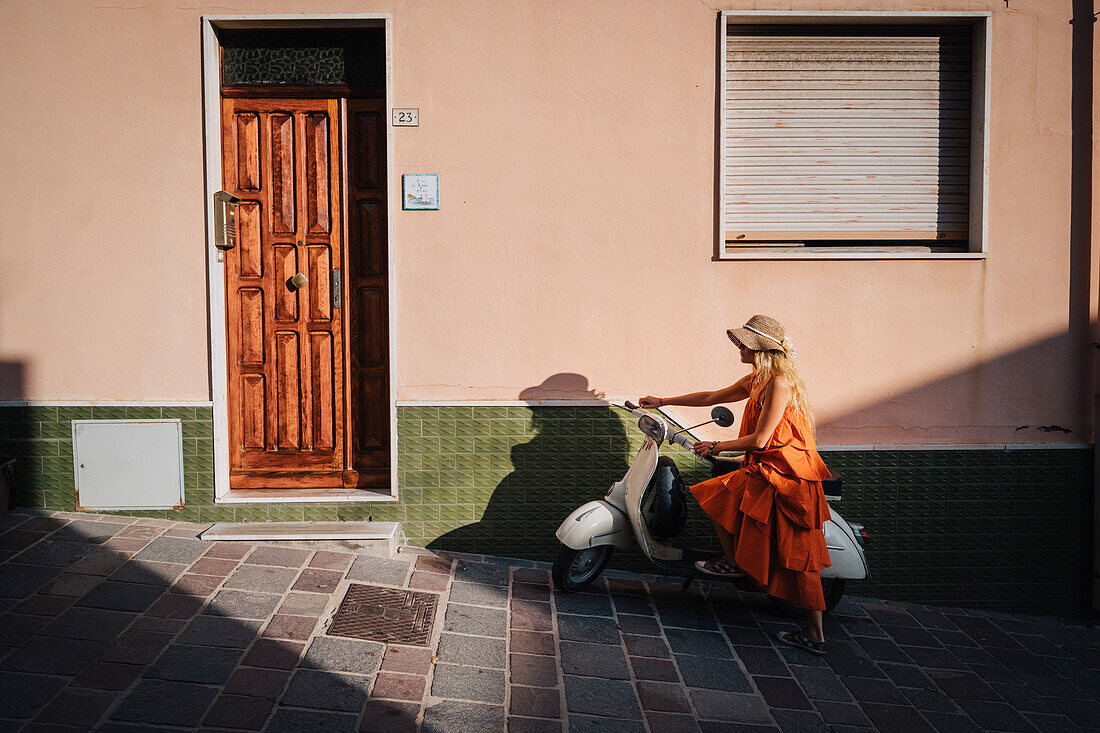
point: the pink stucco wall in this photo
(575, 145)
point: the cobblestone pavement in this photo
(115, 624)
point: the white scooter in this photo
(648, 506)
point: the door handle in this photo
(337, 288)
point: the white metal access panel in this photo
(128, 464)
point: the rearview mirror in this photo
(722, 416)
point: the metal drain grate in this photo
(385, 614)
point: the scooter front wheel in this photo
(575, 569)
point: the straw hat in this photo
(761, 333)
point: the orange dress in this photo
(775, 507)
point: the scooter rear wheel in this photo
(832, 589)
(575, 569)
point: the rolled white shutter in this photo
(846, 137)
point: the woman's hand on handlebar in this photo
(650, 401)
(706, 448)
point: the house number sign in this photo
(406, 117)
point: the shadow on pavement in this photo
(119, 623)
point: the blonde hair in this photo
(769, 364)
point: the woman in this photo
(768, 513)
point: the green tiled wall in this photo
(998, 529)
(40, 438)
(1003, 529)
(991, 528)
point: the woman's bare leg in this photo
(727, 540)
(814, 628)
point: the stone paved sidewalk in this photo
(114, 624)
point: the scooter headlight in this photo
(652, 427)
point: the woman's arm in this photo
(777, 395)
(733, 393)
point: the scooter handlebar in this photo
(632, 407)
(685, 440)
(682, 439)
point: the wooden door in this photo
(286, 346)
(368, 296)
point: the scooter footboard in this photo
(593, 524)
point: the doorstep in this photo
(380, 535)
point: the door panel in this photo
(317, 165)
(286, 298)
(323, 390)
(371, 351)
(371, 250)
(252, 327)
(252, 388)
(286, 344)
(288, 400)
(374, 429)
(320, 270)
(282, 182)
(250, 261)
(248, 152)
(368, 147)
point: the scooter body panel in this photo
(640, 472)
(636, 484)
(845, 554)
(593, 524)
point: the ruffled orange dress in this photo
(774, 505)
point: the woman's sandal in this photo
(719, 567)
(799, 640)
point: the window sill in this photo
(842, 253)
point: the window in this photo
(347, 58)
(850, 140)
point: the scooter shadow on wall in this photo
(571, 452)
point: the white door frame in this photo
(211, 93)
